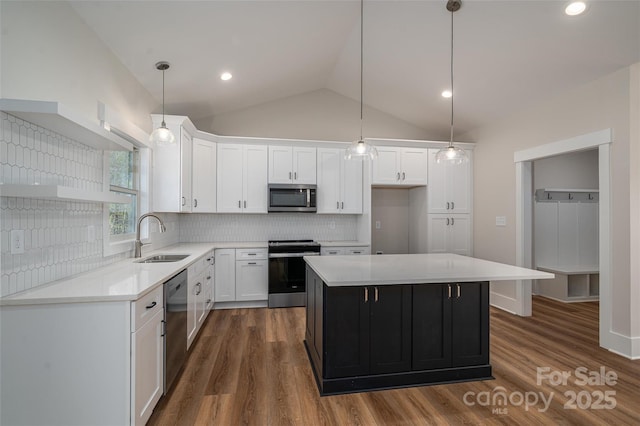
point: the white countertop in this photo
(124, 280)
(337, 271)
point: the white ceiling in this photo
(508, 54)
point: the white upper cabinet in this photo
(449, 186)
(339, 182)
(288, 164)
(172, 167)
(449, 233)
(242, 178)
(204, 176)
(397, 166)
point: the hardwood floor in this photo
(249, 367)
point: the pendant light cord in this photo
(361, 61)
(451, 75)
(163, 123)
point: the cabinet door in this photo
(147, 354)
(225, 275)
(280, 167)
(437, 190)
(459, 189)
(204, 176)
(186, 152)
(328, 193)
(470, 324)
(414, 166)
(390, 329)
(386, 167)
(304, 165)
(229, 178)
(346, 330)
(438, 233)
(194, 305)
(459, 235)
(431, 308)
(251, 280)
(255, 179)
(351, 199)
(167, 175)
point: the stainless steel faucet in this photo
(138, 244)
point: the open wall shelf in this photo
(63, 193)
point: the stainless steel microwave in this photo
(292, 198)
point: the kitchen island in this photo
(386, 321)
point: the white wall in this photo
(605, 103)
(321, 115)
(578, 170)
(49, 53)
(390, 207)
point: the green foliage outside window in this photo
(122, 178)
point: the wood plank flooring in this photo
(249, 367)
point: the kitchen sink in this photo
(164, 258)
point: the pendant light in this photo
(452, 154)
(162, 135)
(360, 149)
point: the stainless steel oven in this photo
(287, 271)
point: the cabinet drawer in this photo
(247, 254)
(333, 251)
(146, 307)
(357, 250)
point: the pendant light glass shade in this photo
(360, 149)
(452, 154)
(162, 135)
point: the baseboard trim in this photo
(625, 346)
(503, 302)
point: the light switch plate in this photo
(501, 221)
(17, 241)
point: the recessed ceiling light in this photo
(575, 8)
(225, 76)
(447, 93)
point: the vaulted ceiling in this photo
(508, 54)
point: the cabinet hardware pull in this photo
(289, 175)
(239, 204)
(447, 205)
(458, 291)
(403, 176)
(366, 295)
(245, 204)
(209, 277)
(342, 205)
(453, 205)
(153, 304)
(447, 221)
(398, 178)
(449, 285)
(337, 204)
(252, 254)
(195, 202)
(208, 301)
(253, 263)
(375, 294)
(295, 175)
(164, 326)
(452, 221)
(184, 201)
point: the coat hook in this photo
(570, 196)
(590, 197)
(549, 196)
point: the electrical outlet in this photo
(17, 241)
(501, 221)
(378, 224)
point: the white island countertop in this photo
(337, 271)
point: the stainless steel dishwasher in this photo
(175, 334)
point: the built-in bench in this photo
(573, 283)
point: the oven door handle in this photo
(283, 255)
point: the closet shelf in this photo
(567, 195)
(58, 118)
(62, 193)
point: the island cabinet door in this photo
(470, 324)
(431, 326)
(390, 329)
(346, 331)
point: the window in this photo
(123, 180)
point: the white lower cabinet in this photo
(241, 275)
(449, 233)
(348, 250)
(147, 353)
(199, 295)
(98, 363)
